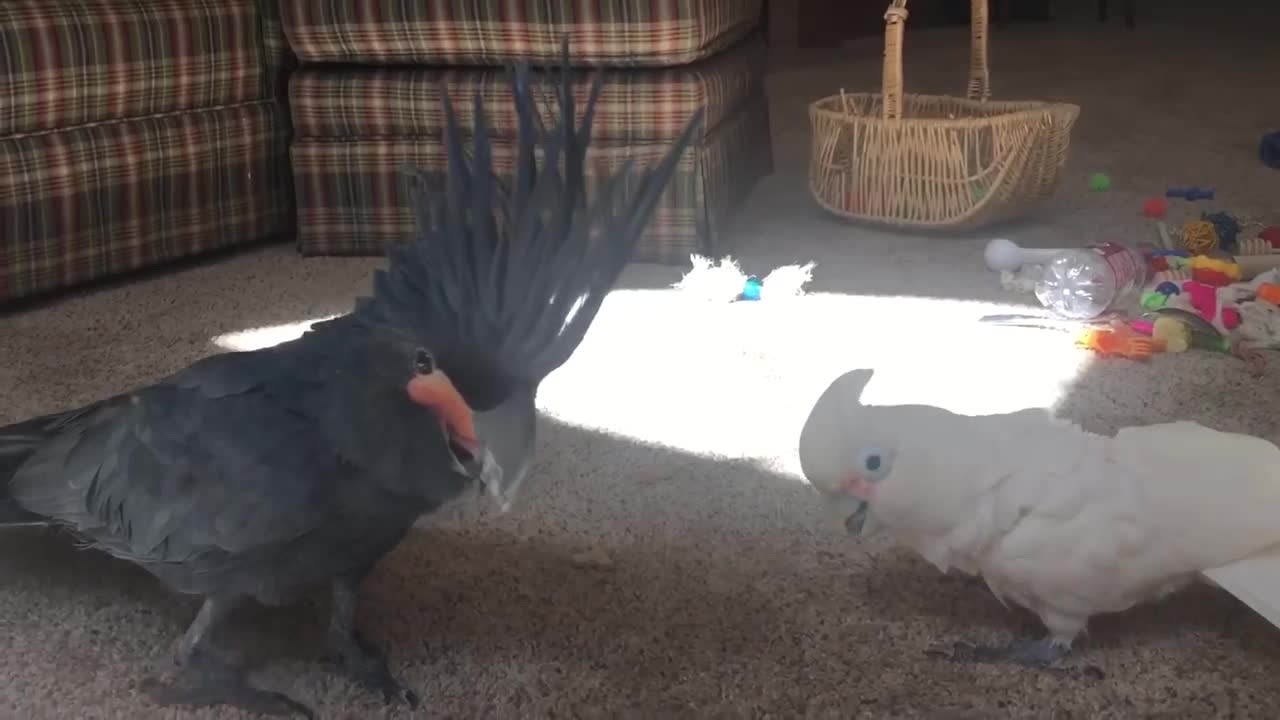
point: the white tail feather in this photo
(1254, 581)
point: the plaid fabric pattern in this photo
(68, 63)
(353, 201)
(736, 156)
(618, 33)
(634, 105)
(102, 199)
(278, 59)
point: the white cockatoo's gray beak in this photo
(849, 513)
(857, 521)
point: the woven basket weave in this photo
(934, 161)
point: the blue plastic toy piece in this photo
(751, 290)
(1269, 150)
(1192, 193)
(1167, 288)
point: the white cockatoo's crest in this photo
(823, 449)
(838, 446)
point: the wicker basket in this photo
(930, 161)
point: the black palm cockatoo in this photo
(251, 475)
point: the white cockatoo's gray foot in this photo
(1030, 653)
(1060, 630)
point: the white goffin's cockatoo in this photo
(1065, 523)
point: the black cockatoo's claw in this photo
(368, 669)
(356, 659)
(206, 681)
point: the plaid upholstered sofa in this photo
(134, 132)
(366, 99)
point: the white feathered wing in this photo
(1219, 502)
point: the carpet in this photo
(665, 559)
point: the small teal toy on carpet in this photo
(725, 281)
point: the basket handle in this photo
(895, 19)
(979, 72)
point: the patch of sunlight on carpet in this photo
(265, 336)
(737, 379)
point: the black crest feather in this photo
(505, 276)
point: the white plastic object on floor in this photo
(1003, 254)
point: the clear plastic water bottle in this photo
(1084, 283)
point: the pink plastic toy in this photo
(1146, 327)
(1204, 298)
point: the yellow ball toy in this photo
(1199, 237)
(1173, 333)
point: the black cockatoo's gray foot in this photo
(361, 663)
(206, 677)
(208, 680)
(366, 667)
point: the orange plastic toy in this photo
(1269, 293)
(1120, 341)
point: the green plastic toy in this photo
(1152, 300)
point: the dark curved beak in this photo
(856, 521)
(850, 512)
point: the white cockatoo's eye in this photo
(874, 464)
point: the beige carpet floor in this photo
(666, 560)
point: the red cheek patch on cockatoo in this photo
(1065, 523)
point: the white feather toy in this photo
(724, 281)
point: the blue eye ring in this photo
(875, 463)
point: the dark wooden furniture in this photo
(1004, 10)
(1130, 12)
(830, 23)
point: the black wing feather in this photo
(170, 475)
(240, 452)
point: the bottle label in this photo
(1124, 263)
